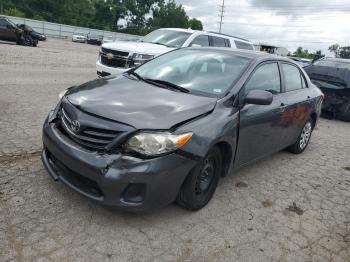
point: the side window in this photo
(292, 77)
(202, 40)
(266, 77)
(218, 41)
(3, 22)
(243, 45)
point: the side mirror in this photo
(258, 97)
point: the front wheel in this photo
(303, 139)
(200, 185)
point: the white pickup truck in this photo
(119, 56)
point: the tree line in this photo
(128, 16)
(337, 50)
(340, 51)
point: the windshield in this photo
(167, 37)
(204, 72)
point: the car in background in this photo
(108, 39)
(303, 62)
(170, 129)
(332, 76)
(20, 34)
(120, 56)
(39, 36)
(94, 39)
(79, 38)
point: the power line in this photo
(221, 14)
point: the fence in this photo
(66, 31)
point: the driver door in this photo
(7, 33)
(261, 126)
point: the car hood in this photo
(138, 47)
(137, 103)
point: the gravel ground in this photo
(284, 208)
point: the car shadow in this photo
(6, 43)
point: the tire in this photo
(28, 41)
(303, 139)
(200, 185)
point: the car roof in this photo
(257, 55)
(189, 30)
(342, 60)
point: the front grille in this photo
(91, 137)
(120, 58)
(114, 52)
(114, 62)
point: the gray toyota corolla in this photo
(169, 129)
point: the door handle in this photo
(283, 107)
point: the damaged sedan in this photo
(332, 76)
(170, 129)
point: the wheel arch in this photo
(226, 154)
(313, 117)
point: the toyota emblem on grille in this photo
(75, 125)
(109, 56)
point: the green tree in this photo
(168, 14)
(334, 49)
(340, 51)
(141, 16)
(304, 53)
(196, 24)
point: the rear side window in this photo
(201, 40)
(243, 45)
(266, 77)
(3, 22)
(292, 78)
(218, 41)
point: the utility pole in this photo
(221, 14)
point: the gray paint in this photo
(249, 131)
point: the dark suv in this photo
(169, 129)
(20, 34)
(9, 31)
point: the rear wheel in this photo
(303, 140)
(200, 185)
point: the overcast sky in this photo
(312, 24)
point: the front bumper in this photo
(103, 70)
(114, 179)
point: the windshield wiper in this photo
(133, 73)
(166, 84)
(158, 43)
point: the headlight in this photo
(153, 144)
(60, 95)
(139, 59)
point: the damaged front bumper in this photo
(114, 179)
(336, 102)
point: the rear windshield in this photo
(203, 72)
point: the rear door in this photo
(299, 101)
(261, 128)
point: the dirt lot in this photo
(285, 208)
